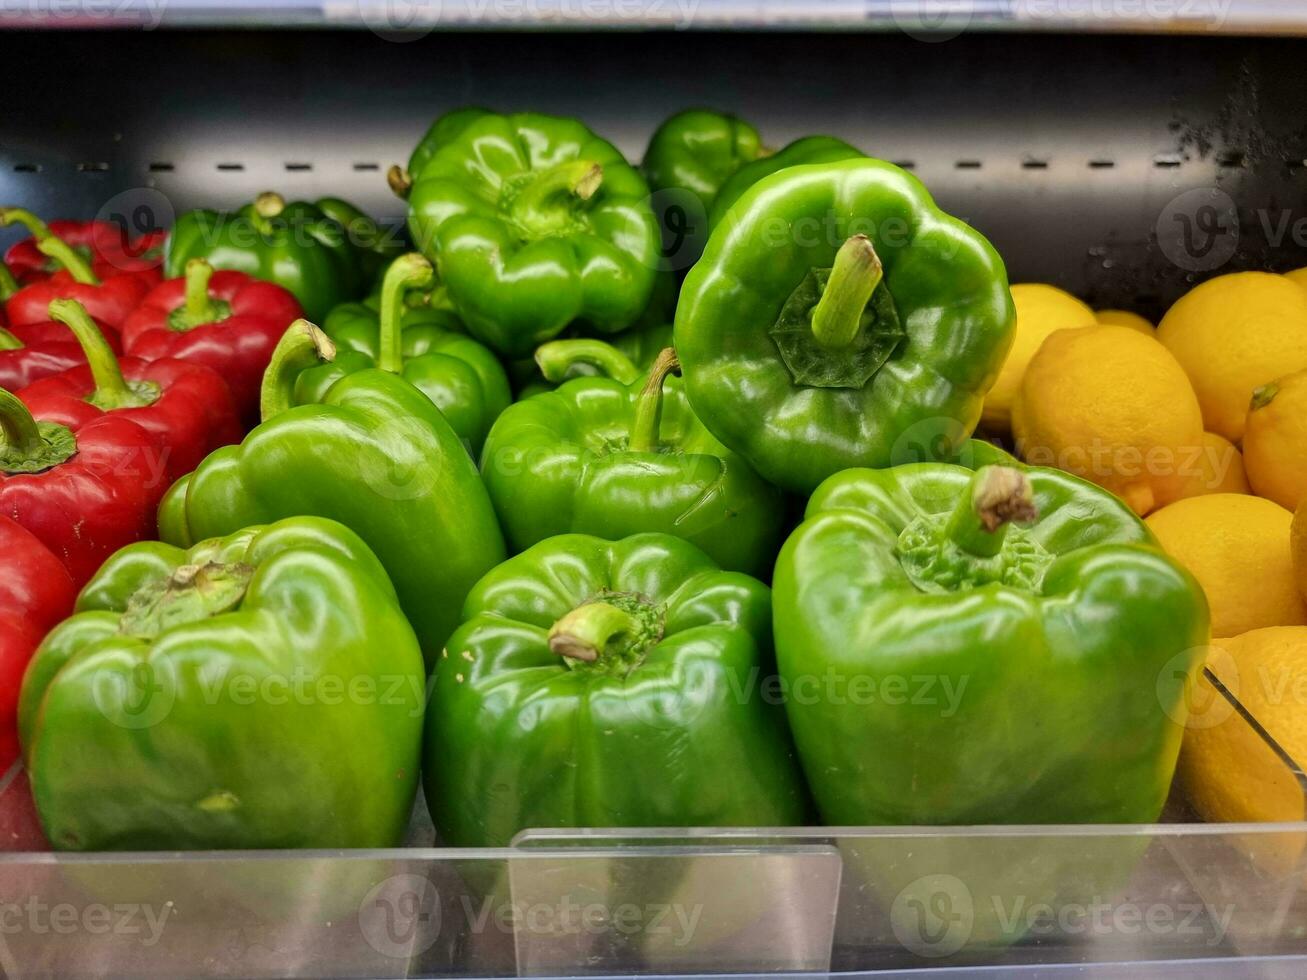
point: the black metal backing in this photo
(1072, 153)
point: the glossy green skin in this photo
(949, 287)
(377, 456)
(804, 151)
(517, 738)
(641, 346)
(1069, 699)
(517, 286)
(697, 150)
(239, 703)
(302, 249)
(442, 130)
(460, 376)
(559, 461)
(375, 246)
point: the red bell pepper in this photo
(103, 244)
(228, 321)
(37, 350)
(83, 490)
(108, 299)
(36, 592)
(188, 406)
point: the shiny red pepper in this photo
(103, 244)
(83, 490)
(188, 406)
(228, 321)
(108, 299)
(34, 351)
(36, 592)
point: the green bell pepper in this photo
(377, 456)
(296, 245)
(460, 376)
(535, 223)
(689, 157)
(602, 457)
(1003, 646)
(593, 684)
(262, 690)
(585, 357)
(802, 152)
(441, 131)
(375, 246)
(806, 355)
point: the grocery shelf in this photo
(933, 18)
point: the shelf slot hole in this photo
(92, 167)
(968, 165)
(1167, 160)
(27, 168)
(299, 167)
(906, 164)
(1034, 164)
(161, 167)
(362, 167)
(231, 166)
(1101, 164)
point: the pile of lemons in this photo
(1200, 425)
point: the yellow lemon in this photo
(1299, 276)
(1234, 334)
(1237, 547)
(1216, 467)
(1298, 545)
(1041, 309)
(1124, 318)
(1111, 405)
(1275, 441)
(1227, 770)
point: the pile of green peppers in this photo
(730, 558)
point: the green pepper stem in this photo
(400, 181)
(64, 255)
(8, 284)
(996, 497)
(545, 204)
(301, 347)
(267, 206)
(22, 436)
(1264, 395)
(111, 388)
(585, 632)
(8, 341)
(857, 272)
(557, 358)
(21, 216)
(199, 308)
(410, 271)
(649, 403)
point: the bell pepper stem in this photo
(22, 436)
(267, 206)
(8, 341)
(302, 346)
(21, 216)
(649, 403)
(67, 257)
(545, 204)
(1264, 395)
(111, 388)
(410, 271)
(997, 497)
(199, 308)
(557, 358)
(400, 181)
(8, 284)
(585, 632)
(857, 272)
